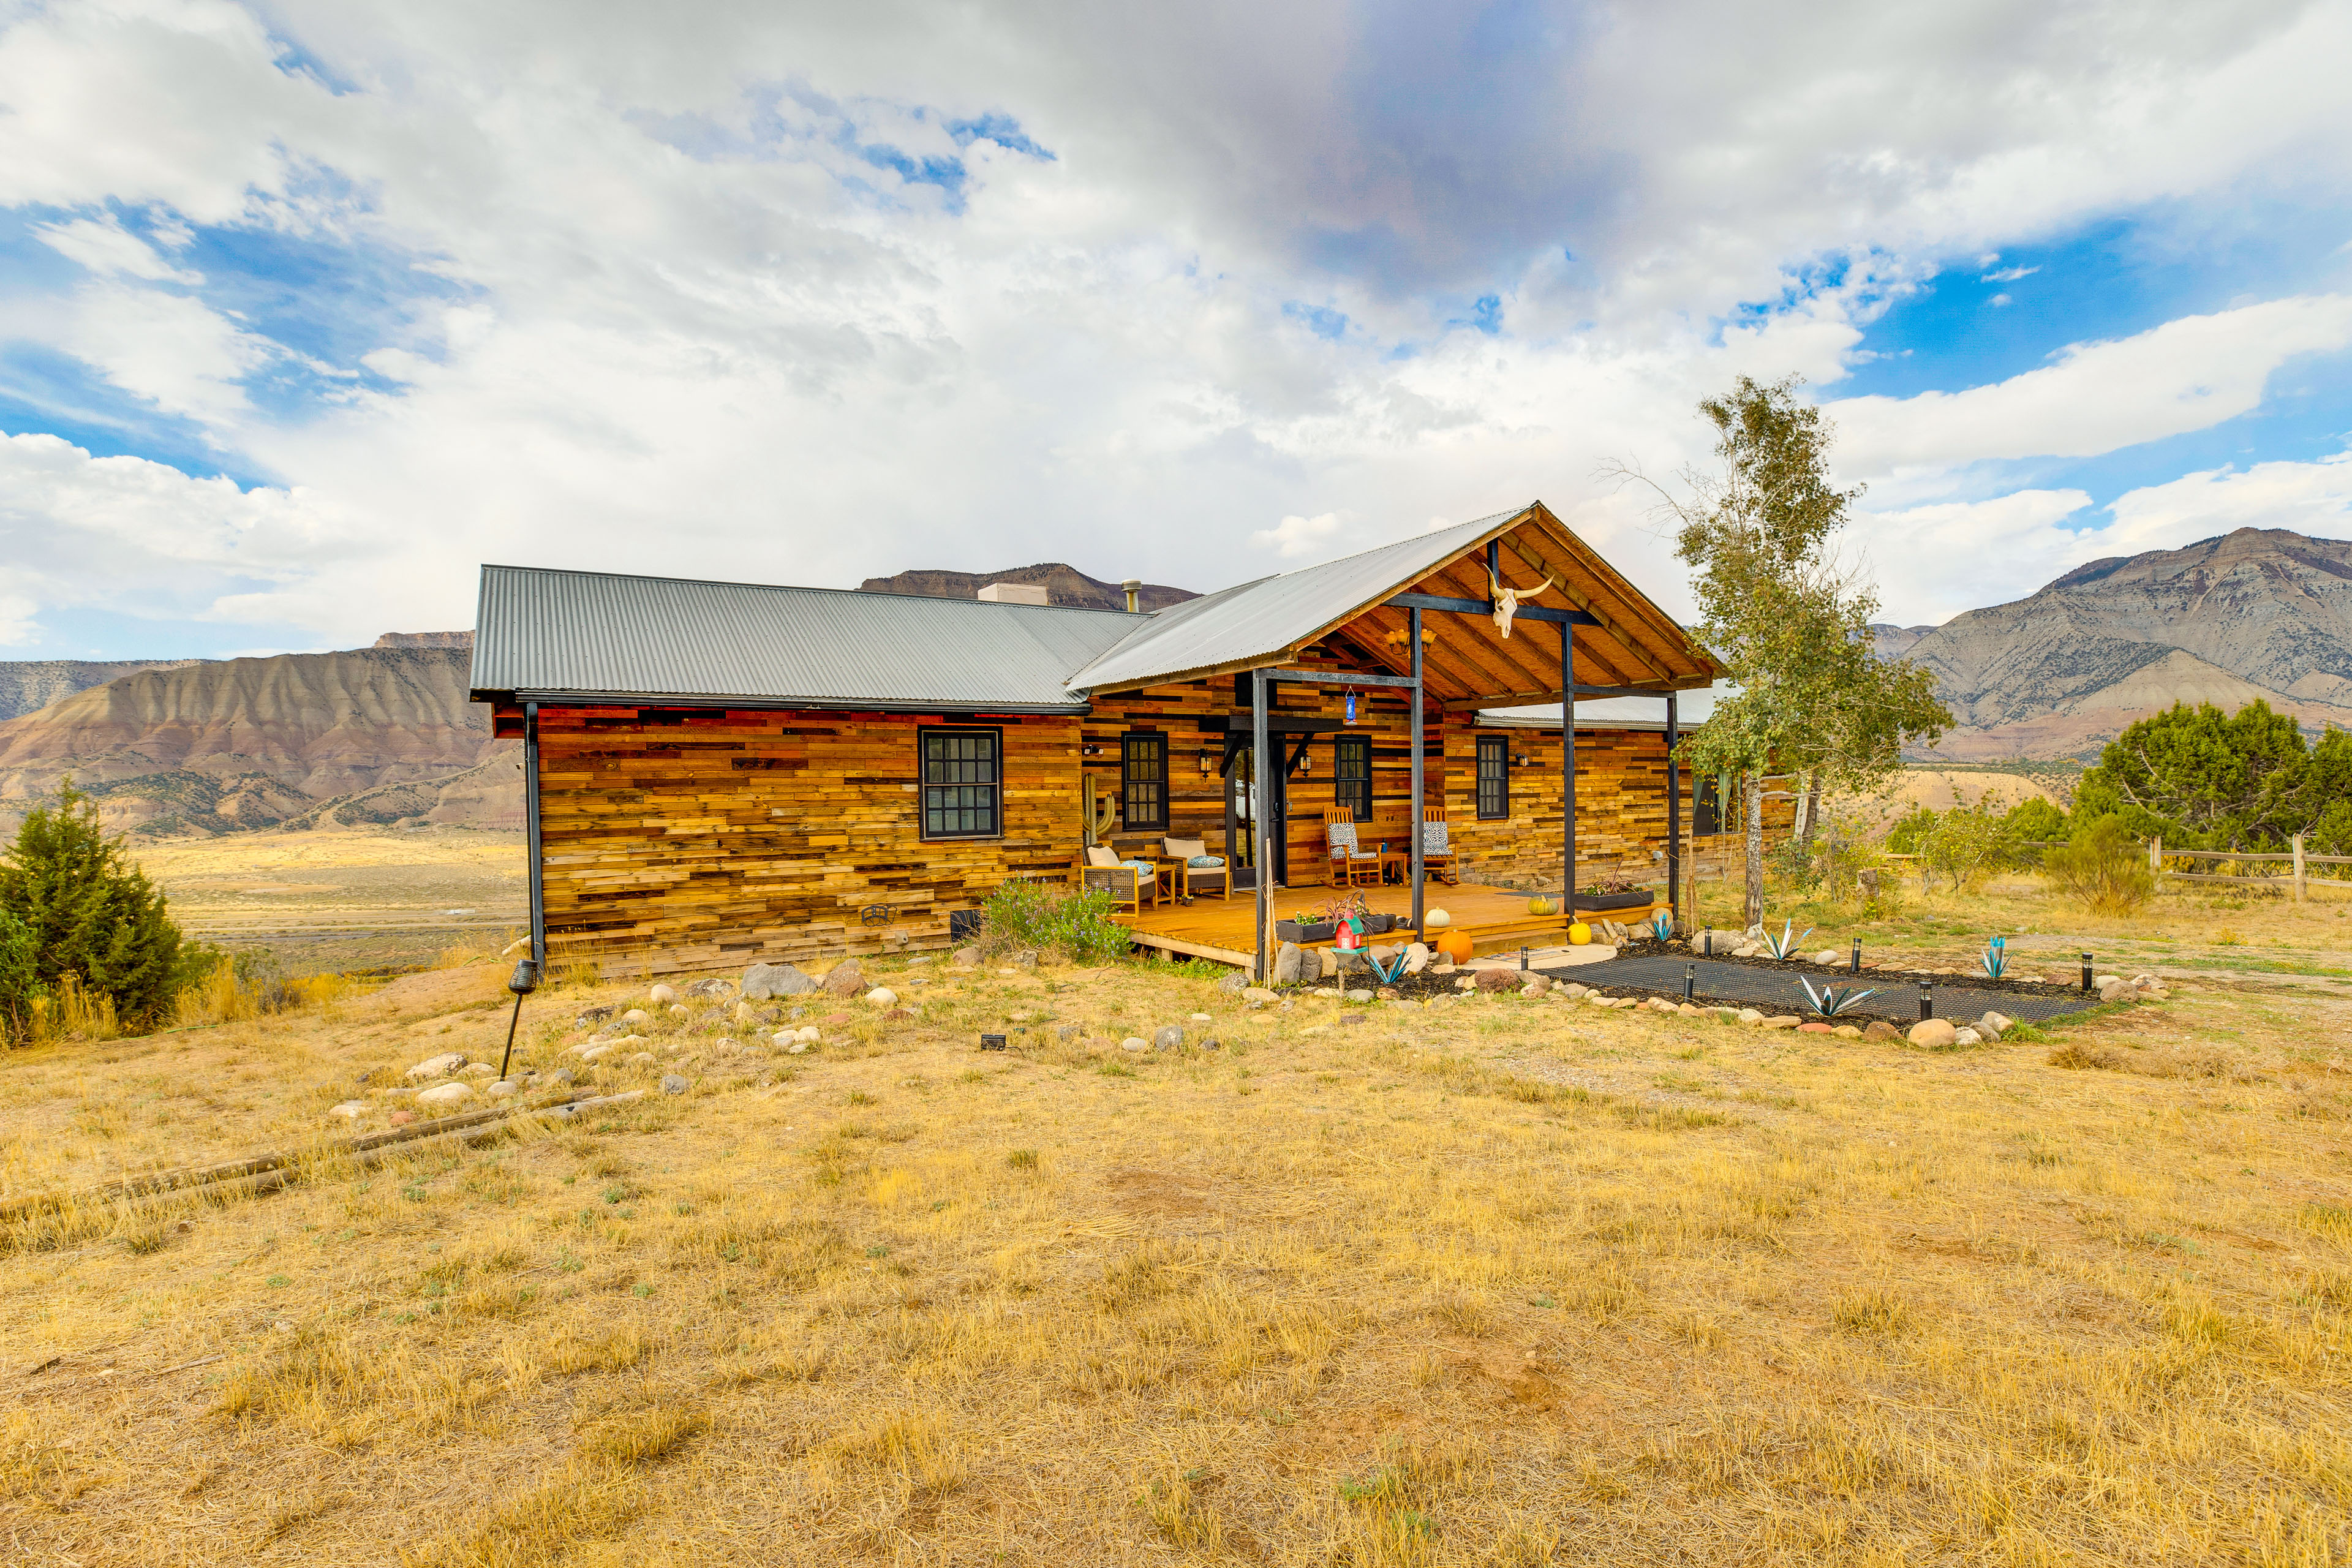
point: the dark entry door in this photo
(1241, 818)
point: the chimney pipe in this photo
(1134, 586)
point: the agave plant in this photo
(1661, 924)
(1784, 944)
(1389, 971)
(1831, 1000)
(1995, 962)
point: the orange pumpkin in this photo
(1456, 945)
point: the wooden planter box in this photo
(1599, 902)
(1291, 931)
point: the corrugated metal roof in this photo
(1691, 709)
(1259, 619)
(592, 634)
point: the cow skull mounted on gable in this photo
(1507, 600)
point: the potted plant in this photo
(1612, 895)
(1305, 927)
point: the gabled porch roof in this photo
(1468, 663)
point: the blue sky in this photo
(305, 314)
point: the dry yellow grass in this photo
(1498, 1283)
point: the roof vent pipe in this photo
(1134, 587)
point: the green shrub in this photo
(92, 915)
(1038, 914)
(2104, 867)
(1913, 825)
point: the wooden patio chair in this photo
(1352, 865)
(1437, 848)
(1129, 884)
(1183, 856)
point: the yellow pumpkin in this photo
(1580, 934)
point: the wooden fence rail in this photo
(2297, 877)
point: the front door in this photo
(1241, 819)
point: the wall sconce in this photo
(1306, 766)
(1206, 768)
(1520, 760)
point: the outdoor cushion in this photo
(1145, 867)
(1099, 855)
(1432, 838)
(1342, 835)
(1205, 862)
(1186, 849)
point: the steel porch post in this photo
(1568, 766)
(1260, 810)
(1413, 866)
(1674, 820)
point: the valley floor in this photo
(344, 898)
(1500, 1281)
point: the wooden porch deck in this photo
(1223, 929)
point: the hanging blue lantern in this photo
(1351, 708)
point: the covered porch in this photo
(1422, 634)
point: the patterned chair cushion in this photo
(1143, 866)
(1206, 862)
(1343, 838)
(1434, 840)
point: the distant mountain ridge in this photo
(2258, 614)
(33, 683)
(217, 745)
(1064, 584)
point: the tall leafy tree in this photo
(88, 911)
(1790, 624)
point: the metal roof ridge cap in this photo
(488, 566)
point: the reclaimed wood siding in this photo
(1621, 809)
(697, 839)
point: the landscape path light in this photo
(1856, 967)
(1690, 981)
(1926, 999)
(2087, 971)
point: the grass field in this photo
(301, 894)
(1500, 1282)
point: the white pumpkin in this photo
(1435, 920)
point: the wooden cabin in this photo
(718, 774)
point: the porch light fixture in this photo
(1206, 767)
(1519, 760)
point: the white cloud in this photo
(2308, 497)
(2187, 374)
(1293, 537)
(16, 623)
(702, 331)
(103, 244)
(1935, 560)
(140, 537)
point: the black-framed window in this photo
(1143, 781)
(963, 783)
(1351, 774)
(1494, 776)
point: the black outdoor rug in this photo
(1777, 992)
